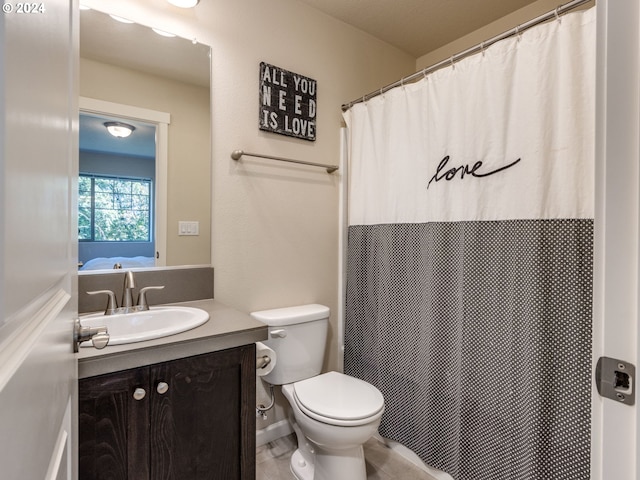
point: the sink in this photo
(156, 322)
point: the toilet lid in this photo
(336, 396)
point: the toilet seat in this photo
(338, 399)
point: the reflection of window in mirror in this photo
(114, 208)
(116, 193)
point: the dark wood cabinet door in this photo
(203, 425)
(195, 421)
(113, 427)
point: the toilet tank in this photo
(298, 335)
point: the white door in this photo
(38, 145)
(617, 239)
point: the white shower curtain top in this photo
(505, 134)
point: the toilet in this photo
(333, 414)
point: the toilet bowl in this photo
(336, 415)
(333, 414)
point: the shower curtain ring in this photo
(558, 15)
(452, 64)
(482, 48)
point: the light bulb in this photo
(121, 19)
(163, 33)
(119, 129)
(184, 3)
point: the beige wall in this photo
(189, 159)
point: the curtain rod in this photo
(560, 10)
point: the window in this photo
(114, 209)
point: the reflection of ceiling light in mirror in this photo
(163, 33)
(121, 19)
(119, 129)
(184, 3)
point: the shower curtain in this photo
(469, 263)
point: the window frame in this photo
(150, 211)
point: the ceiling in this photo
(418, 26)
(138, 47)
(95, 138)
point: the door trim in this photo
(616, 231)
(162, 121)
(60, 465)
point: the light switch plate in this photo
(188, 228)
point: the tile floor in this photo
(272, 462)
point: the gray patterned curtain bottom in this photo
(479, 336)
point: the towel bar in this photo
(236, 154)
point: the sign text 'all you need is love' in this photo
(287, 102)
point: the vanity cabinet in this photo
(186, 419)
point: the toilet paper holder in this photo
(265, 362)
(262, 362)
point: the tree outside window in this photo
(114, 209)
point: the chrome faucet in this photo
(127, 305)
(129, 285)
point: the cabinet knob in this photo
(162, 388)
(139, 393)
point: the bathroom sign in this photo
(287, 102)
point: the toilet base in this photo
(300, 468)
(346, 464)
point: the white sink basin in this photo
(156, 322)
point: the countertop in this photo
(226, 328)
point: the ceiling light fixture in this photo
(119, 129)
(184, 3)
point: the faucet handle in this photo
(142, 296)
(112, 304)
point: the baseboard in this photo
(273, 432)
(411, 456)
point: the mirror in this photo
(161, 86)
